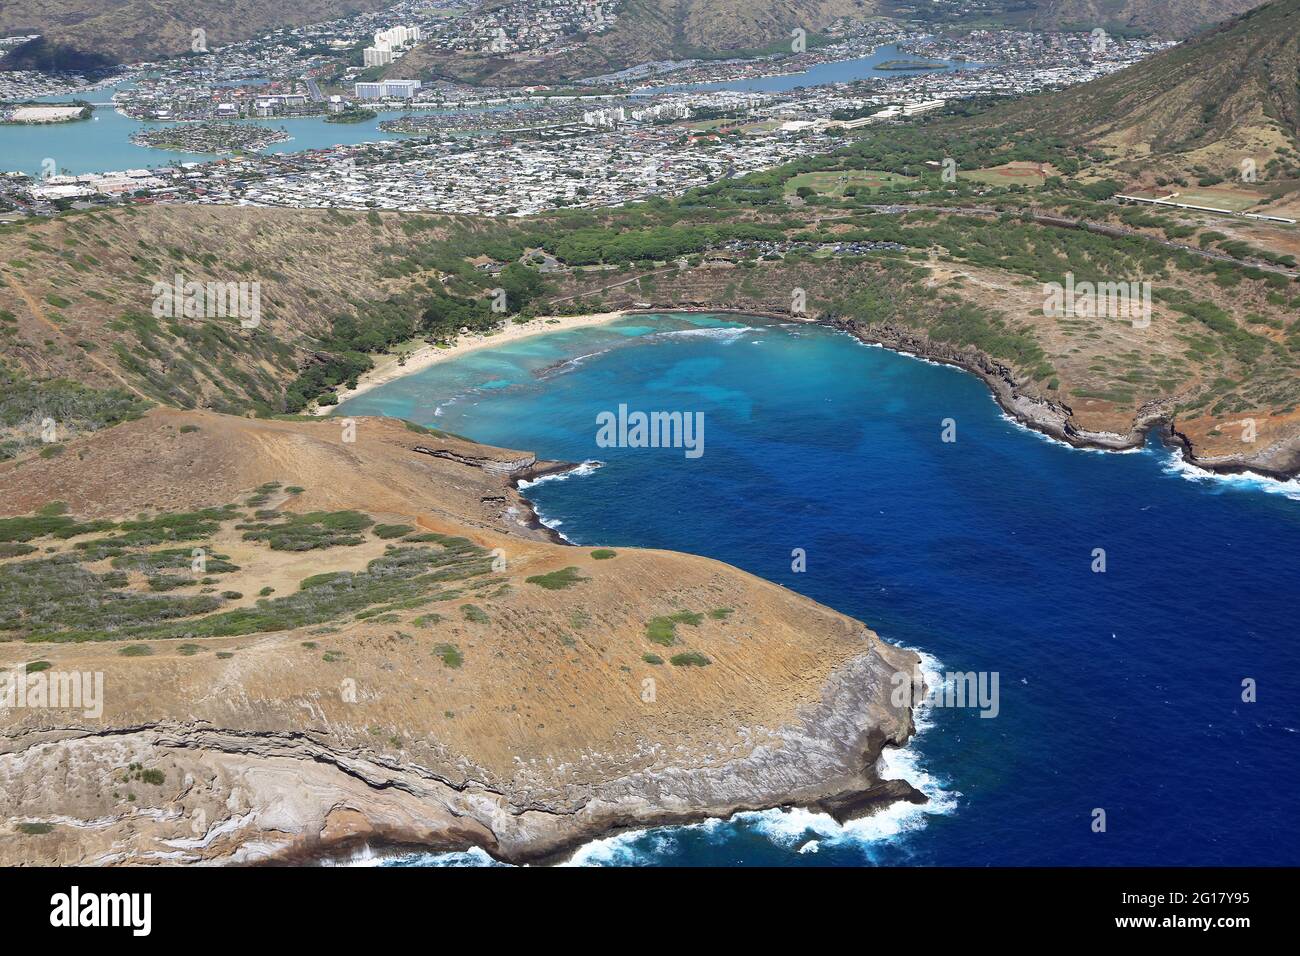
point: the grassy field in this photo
(1232, 198)
(1010, 174)
(749, 129)
(836, 182)
(709, 125)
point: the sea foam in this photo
(724, 334)
(1176, 464)
(580, 471)
(797, 830)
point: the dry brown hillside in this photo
(1171, 18)
(81, 290)
(648, 30)
(129, 31)
(1228, 94)
(444, 677)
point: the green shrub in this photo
(449, 654)
(690, 659)
(306, 532)
(663, 629)
(557, 580)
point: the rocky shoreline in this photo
(826, 763)
(238, 808)
(1280, 462)
(308, 743)
(516, 471)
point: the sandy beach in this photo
(388, 369)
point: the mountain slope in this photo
(1229, 94)
(648, 30)
(1171, 18)
(132, 30)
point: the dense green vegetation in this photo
(557, 580)
(307, 532)
(689, 659)
(663, 629)
(354, 115)
(58, 598)
(449, 654)
(474, 614)
(75, 408)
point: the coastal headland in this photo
(383, 651)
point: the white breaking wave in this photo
(554, 525)
(799, 831)
(368, 856)
(624, 849)
(569, 365)
(803, 831)
(1002, 414)
(473, 857)
(580, 471)
(1176, 464)
(724, 334)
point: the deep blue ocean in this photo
(1119, 690)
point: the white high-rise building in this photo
(397, 37)
(389, 44)
(401, 89)
(387, 89)
(605, 119)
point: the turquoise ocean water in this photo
(1120, 691)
